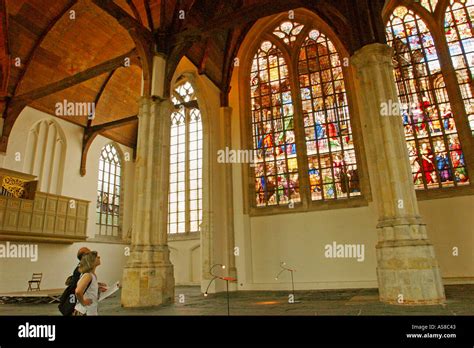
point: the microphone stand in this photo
(283, 269)
(227, 280)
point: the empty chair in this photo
(34, 283)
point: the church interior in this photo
(298, 157)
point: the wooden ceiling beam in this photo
(135, 11)
(114, 124)
(148, 15)
(99, 94)
(73, 80)
(91, 133)
(141, 36)
(241, 16)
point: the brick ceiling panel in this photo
(121, 95)
(77, 44)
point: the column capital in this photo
(146, 103)
(369, 55)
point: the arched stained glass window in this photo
(276, 167)
(319, 115)
(329, 143)
(459, 34)
(109, 192)
(436, 157)
(185, 196)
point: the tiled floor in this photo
(460, 301)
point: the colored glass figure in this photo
(276, 181)
(460, 37)
(426, 113)
(326, 119)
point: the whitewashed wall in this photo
(56, 261)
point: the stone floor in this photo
(460, 301)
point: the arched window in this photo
(436, 157)
(329, 143)
(185, 194)
(303, 144)
(276, 170)
(109, 192)
(459, 34)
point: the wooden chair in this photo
(36, 281)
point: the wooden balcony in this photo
(41, 217)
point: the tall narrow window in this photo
(185, 196)
(319, 115)
(108, 192)
(436, 157)
(459, 34)
(274, 143)
(329, 143)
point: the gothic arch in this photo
(45, 155)
(247, 50)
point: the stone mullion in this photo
(456, 100)
(187, 185)
(300, 137)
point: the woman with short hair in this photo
(87, 290)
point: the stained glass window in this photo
(459, 34)
(274, 143)
(435, 152)
(330, 147)
(108, 192)
(185, 196)
(430, 5)
(321, 118)
(288, 31)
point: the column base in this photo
(408, 273)
(147, 280)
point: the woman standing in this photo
(87, 290)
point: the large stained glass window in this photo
(321, 118)
(435, 152)
(185, 195)
(459, 34)
(329, 143)
(274, 143)
(108, 192)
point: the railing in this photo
(41, 216)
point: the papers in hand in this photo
(109, 291)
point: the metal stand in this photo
(283, 269)
(227, 280)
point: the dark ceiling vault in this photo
(46, 56)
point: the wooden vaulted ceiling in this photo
(80, 59)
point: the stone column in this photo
(407, 268)
(226, 115)
(148, 275)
